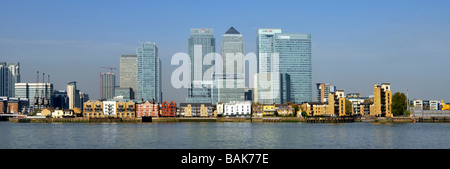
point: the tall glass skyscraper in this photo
(108, 84)
(200, 43)
(231, 82)
(267, 80)
(128, 73)
(149, 73)
(295, 66)
(9, 75)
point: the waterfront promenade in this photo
(233, 119)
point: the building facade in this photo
(323, 90)
(128, 73)
(196, 109)
(107, 85)
(237, 109)
(336, 103)
(294, 65)
(73, 94)
(200, 43)
(9, 76)
(149, 73)
(168, 109)
(147, 109)
(267, 81)
(382, 100)
(39, 95)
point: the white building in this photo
(237, 108)
(109, 108)
(62, 113)
(435, 105)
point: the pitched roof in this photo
(232, 31)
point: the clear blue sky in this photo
(355, 43)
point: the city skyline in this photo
(401, 42)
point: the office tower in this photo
(267, 81)
(264, 47)
(107, 85)
(60, 99)
(294, 65)
(126, 92)
(148, 73)
(128, 73)
(231, 82)
(382, 100)
(9, 75)
(36, 93)
(74, 95)
(200, 43)
(323, 90)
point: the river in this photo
(218, 135)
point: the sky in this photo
(355, 44)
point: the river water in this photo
(217, 135)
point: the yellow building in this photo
(187, 110)
(336, 103)
(269, 110)
(125, 109)
(445, 106)
(314, 109)
(197, 109)
(382, 101)
(47, 111)
(93, 109)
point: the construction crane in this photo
(111, 68)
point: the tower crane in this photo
(111, 68)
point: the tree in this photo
(398, 104)
(348, 107)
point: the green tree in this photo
(348, 107)
(398, 104)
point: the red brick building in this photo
(169, 109)
(147, 109)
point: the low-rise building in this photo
(257, 110)
(196, 109)
(315, 108)
(237, 108)
(168, 109)
(93, 109)
(269, 110)
(125, 109)
(65, 113)
(285, 111)
(146, 109)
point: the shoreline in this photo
(234, 119)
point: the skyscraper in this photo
(9, 75)
(264, 47)
(108, 84)
(231, 83)
(295, 66)
(74, 95)
(200, 43)
(148, 73)
(267, 86)
(128, 73)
